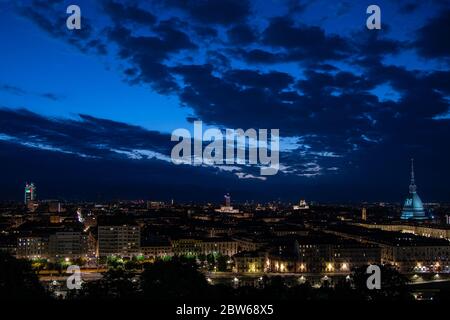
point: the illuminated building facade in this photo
(421, 230)
(157, 249)
(119, 240)
(68, 244)
(205, 246)
(226, 247)
(186, 246)
(407, 257)
(250, 262)
(301, 206)
(227, 208)
(324, 254)
(400, 249)
(32, 247)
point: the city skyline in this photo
(214, 158)
(409, 206)
(88, 114)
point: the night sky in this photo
(87, 114)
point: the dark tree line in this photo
(180, 280)
(18, 280)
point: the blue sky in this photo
(38, 63)
(351, 104)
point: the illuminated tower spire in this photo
(413, 207)
(412, 185)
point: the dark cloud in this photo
(248, 98)
(432, 38)
(123, 13)
(330, 127)
(283, 41)
(409, 7)
(343, 8)
(146, 53)
(205, 31)
(258, 56)
(323, 67)
(13, 89)
(304, 42)
(317, 83)
(297, 6)
(273, 80)
(221, 100)
(22, 92)
(167, 40)
(50, 96)
(53, 21)
(214, 12)
(439, 80)
(87, 136)
(423, 94)
(219, 60)
(241, 34)
(375, 45)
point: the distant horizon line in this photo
(206, 202)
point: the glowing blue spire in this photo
(413, 208)
(412, 185)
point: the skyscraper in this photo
(413, 207)
(30, 193)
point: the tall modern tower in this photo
(413, 207)
(30, 192)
